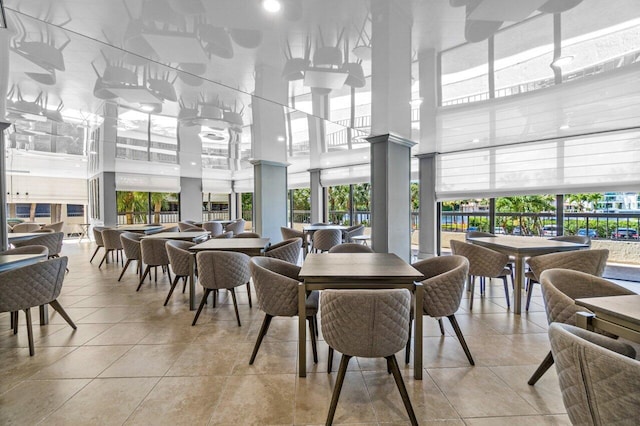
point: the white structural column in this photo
(391, 127)
(391, 196)
(4, 82)
(317, 196)
(269, 153)
(190, 154)
(427, 61)
(105, 173)
(317, 146)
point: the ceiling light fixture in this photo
(565, 127)
(562, 61)
(415, 103)
(271, 6)
(280, 138)
(146, 108)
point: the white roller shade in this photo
(608, 162)
(360, 173)
(298, 180)
(34, 189)
(216, 186)
(243, 185)
(147, 183)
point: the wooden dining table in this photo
(183, 236)
(248, 246)
(347, 271)
(521, 248)
(619, 315)
(141, 229)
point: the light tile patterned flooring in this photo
(133, 361)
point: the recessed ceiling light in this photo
(562, 61)
(193, 163)
(146, 108)
(280, 138)
(564, 127)
(476, 140)
(271, 6)
(415, 103)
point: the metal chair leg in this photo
(506, 291)
(146, 272)
(263, 332)
(312, 333)
(235, 305)
(407, 350)
(546, 363)
(173, 286)
(441, 326)
(59, 309)
(15, 322)
(342, 370)
(249, 293)
(202, 302)
(395, 370)
(472, 283)
(29, 331)
(105, 258)
(126, 265)
(330, 360)
(456, 328)
(529, 293)
(94, 253)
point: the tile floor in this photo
(133, 361)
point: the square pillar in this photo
(428, 211)
(269, 198)
(391, 194)
(190, 199)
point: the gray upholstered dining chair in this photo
(33, 285)
(112, 243)
(325, 239)
(478, 234)
(483, 263)
(131, 245)
(351, 248)
(222, 270)
(287, 250)
(56, 227)
(30, 249)
(288, 233)
(351, 232)
(247, 235)
(367, 324)
(590, 262)
(237, 226)
(599, 377)
(578, 239)
(97, 236)
(185, 226)
(276, 282)
(215, 228)
(51, 240)
(25, 227)
(228, 234)
(180, 258)
(154, 254)
(442, 293)
(43, 231)
(560, 287)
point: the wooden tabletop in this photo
(625, 307)
(187, 235)
(140, 228)
(11, 261)
(232, 244)
(357, 267)
(525, 245)
(19, 236)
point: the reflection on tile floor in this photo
(134, 361)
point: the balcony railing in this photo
(148, 217)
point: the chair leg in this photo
(407, 350)
(15, 322)
(173, 286)
(235, 305)
(546, 363)
(395, 370)
(456, 328)
(312, 333)
(342, 370)
(506, 291)
(441, 326)
(94, 254)
(249, 293)
(315, 324)
(472, 283)
(263, 332)
(126, 265)
(184, 284)
(29, 331)
(330, 360)
(202, 302)
(105, 258)
(169, 273)
(146, 272)
(59, 309)
(529, 293)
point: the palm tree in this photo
(526, 204)
(129, 203)
(160, 200)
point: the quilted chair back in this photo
(287, 250)
(351, 248)
(247, 235)
(154, 252)
(366, 323)
(180, 256)
(43, 231)
(111, 239)
(444, 283)
(599, 379)
(131, 244)
(483, 262)
(353, 231)
(227, 234)
(560, 287)
(237, 227)
(223, 269)
(288, 233)
(52, 241)
(276, 282)
(478, 234)
(32, 285)
(215, 228)
(590, 262)
(57, 227)
(25, 227)
(30, 249)
(325, 239)
(97, 235)
(578, 239)
(185, 226)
